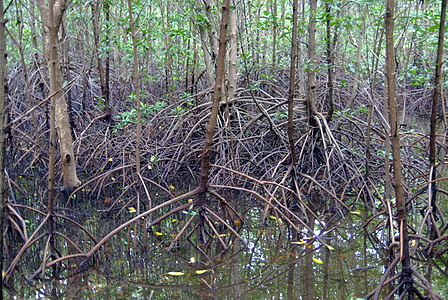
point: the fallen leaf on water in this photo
(132, 209)
(176, 273)
(299, 242)
(199, 272)
(319, 261)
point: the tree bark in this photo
(137, 88)
(292, 78)
(217, 94)
(311, 76)
(51, 19)
(435, 104)
(395, 139)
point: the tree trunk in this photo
(292, 78)
(217, 94)
(395, 139)
(2, 128)
(96, 37)
(136, 87)
(311, 75)
(52, 18)
(433, 127)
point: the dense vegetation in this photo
(205, 119)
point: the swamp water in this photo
(270, 267)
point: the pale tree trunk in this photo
(311, 76)
(207, 57)
(2, 129)
(309, 291)
(274, 36)
(217, 94)
(433, 127)
(232, 55)
(51, 19)
(136, 87)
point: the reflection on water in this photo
(271, 267)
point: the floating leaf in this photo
(132, 209)
(199, 272)
(159, 233)
(317, 260)
(171, 187)
(329, 247)
(192, 260)
(237, 222)
(176, 273)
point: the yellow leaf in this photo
(329, 247)
(413, 242)
(113, 178)
(110, 159)
(222, 235)
(176, 273)
(355, 212)
(299, 242)
(149, 167)
(317, 260)
(171, 187)
(199, 272)
(107, 200)
(237, 222)
(159, 233)
(190, 200)
(174, 220)
(309, 246)
(272, 217)
(132, 210)
(192, 260)
(153, 158)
